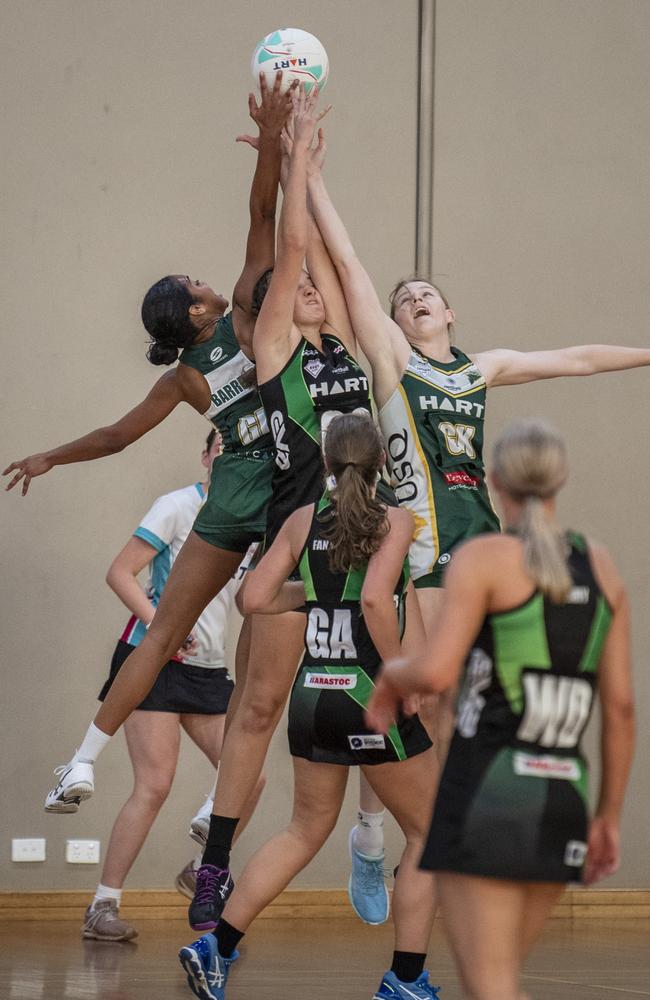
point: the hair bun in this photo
(162, 353)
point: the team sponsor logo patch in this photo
(546, 766)
(578, 595)
(216, 354)
(575, 853)
(373, 741)
(329, 681)
(462, 479)
(314, 367)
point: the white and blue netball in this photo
(298, 54)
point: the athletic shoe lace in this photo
(371, 877)
(207, 884)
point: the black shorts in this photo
(496, 821)
(327, 726)
(179, 687)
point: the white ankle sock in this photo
(369, 833)
(105, 892)
(93, 743)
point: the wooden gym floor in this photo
(322, 959)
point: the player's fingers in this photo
(252, 104)
(28, 480)
(277, 83)
(321, 114)
(263, 85)
(10, 468)
(14, 481)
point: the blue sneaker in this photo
(392, 988)
(207, 970)
(366, 889)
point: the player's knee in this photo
(259, 714)
(313, 827)
(153, 793)
(162, 640)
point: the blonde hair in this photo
(357, 523)
(530, 464)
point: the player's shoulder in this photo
(488, 550)
(186, 496)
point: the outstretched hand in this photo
(26, 469)
(272, 112)
(304, 119)
(316, 153)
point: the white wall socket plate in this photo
(82, 852)
(28, 849)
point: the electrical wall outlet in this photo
(82, 852)
(32, 849)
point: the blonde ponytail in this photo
(530, 464)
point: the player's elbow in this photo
(113, 440)
(375, 599)
(112, 575)
(619, 715)
(292, 243)
(252, 601)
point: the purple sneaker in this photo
(213, 886)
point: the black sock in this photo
(228, 937)
(220, 835)
(407, 965)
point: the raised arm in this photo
(275, 322)
(158, 404)
(319, 262)
(379, 337)
(270, 116)
(505, 367)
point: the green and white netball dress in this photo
(234, 514)
(433, 426)
(512, 801)
(311, 388)
(337, 675)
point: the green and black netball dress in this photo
(512, 801)
(234, 514)
(433, 425)
(337, 675)
(311, 384)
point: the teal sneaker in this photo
(392, 988)
(366, 888)
(207, 970)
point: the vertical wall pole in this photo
(424, 181)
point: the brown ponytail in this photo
(354, 454)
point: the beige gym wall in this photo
(122, 167)
(542, 215)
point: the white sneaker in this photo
(201, 823)
(76, 783)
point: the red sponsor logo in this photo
(461, 479)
